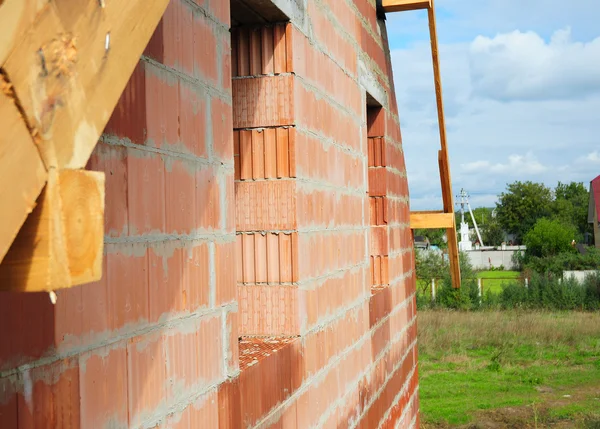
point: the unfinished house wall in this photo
(259, 267)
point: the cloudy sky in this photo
(521, 82)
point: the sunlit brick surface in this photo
(250, 193)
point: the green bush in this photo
(454, 299)
(549, 238)
(592, 291)
(490, 300)
(549, 292)
(423, 300)
(568, 261)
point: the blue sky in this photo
(521, 81)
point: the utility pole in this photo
(464, 199)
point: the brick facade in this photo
(258, 267)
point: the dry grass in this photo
(443, 331)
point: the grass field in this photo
(493, 280)
(509, 369)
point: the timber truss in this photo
(435, 219)
(63, 67)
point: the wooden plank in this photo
(428, 211)
(404, 5)
(446, 182)
(15, 18)
(66, 80)
(61, 243)
(443, 158)
(447, 196)
(22, 172)
(82, 214)
(453, 256)
(431, 220)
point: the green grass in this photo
(475, 366)
(493, 280)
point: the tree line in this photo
(530, 212)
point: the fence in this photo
(430, 287)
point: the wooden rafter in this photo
(431, 220)
(71, 66)
(444, 219)
(404, 5)
(22, 172)
(61, 243)
(64, 65)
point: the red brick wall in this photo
(291, 230)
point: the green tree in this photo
(522, 205)
(492, 233)
(429, 265)
(571, 206)
(483, 215)
(549, 237)
(435, 236)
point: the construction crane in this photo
(464, 199)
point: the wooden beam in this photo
(404, 5)
(71, 66)
(419, 220)
(453, 256)
(452, 242)
(15, 18)
(22, 173)
(64, 65)
(61, 243)
(82, 214)
(443, 159)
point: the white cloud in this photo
(593, 156)
(522, 66)
(491, 143)
(516, 164)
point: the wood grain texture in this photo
(15, 18)
(37, 259)
(61, 243)
(82, 214)
(443, 158)
(453, 253)
(22, 172)
(420, 220)
(404, 5)
(66, 80)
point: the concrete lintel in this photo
(265, 11)
(376, 94)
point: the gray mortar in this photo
(113, 339)
(138, 151)
(213, 91)
(269, 419)
(413, 422)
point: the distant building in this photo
(421, 242)
(594, 209)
